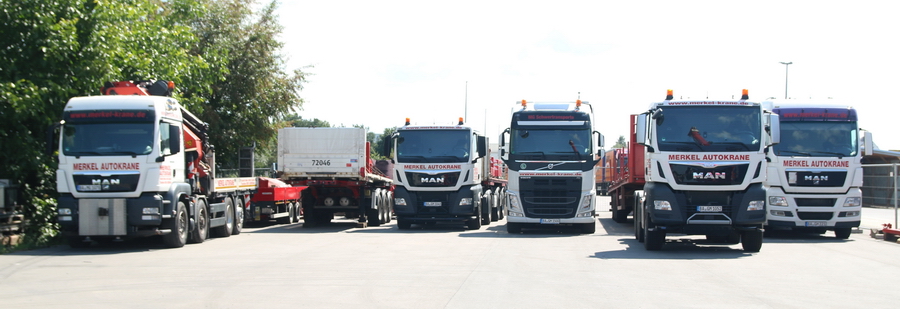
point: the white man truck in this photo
(133, 162)
(335, 166)
(552, 157)
(443, 174)
(815, 174)
(704, 167)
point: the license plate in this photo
(88, 188)
(549, 221)
(709, 208)
(433, 204)
(816, 223)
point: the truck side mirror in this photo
(387, 144)
(868, 144)
(482, 146)
(774, 129)
(174, 139)
(640, 130)
(503, 143)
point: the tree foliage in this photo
(620, 143)
(222, 56)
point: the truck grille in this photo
(815, 215)
(719, 175)
(429, 180)
(707, 198)
(106, 183)
(822, 179)
(815, 202)
(550, 197)
(441, 197)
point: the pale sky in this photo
(377, 62)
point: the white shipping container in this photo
(321, 152)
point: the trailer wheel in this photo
(752, 241)
(297, 211)
(495, 206)
(501, 205)
(225, 230)
(389, 207)
(842, 233)
(238, 216)
(201, 232)
(655, 239)
(179, 226)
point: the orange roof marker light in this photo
(745, 95)
(578, 103)
(669, 94)
(524, 103)
(460, 121)
(407, 120)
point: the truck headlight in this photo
(845, 214)
(150, 211)
(756, 206)
(853, 202)
(514, 204)
(65, 211)
(586, 202)
(777, 201)
(781, 213)
(399, 201)
(466, 201)
(662, 205)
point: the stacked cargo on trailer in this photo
(335, 166)
(605, 172)
(444, 174)
(701, 167)
(275, 200)
(815, 174)
(125, 172)
(552, 160)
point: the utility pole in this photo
(786, 64)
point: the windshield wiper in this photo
(686, 143)
(732, 143)
(794, 152)
(450, 158)
(531, 152)
(839, 155)
(413, 159)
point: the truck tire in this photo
(389, 207)
(374, 216)
(238, 217)
(486, 210)
(310, 217)
(501, 204)
(288, 208)
(513, 228)
(225, 230)
(842, 233)
(201, 232)
(752, 241)
(589, 228)
(474, 224)
(655, 239)
(179, 226)
(297, 211)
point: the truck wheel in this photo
(495, 206)
(752, 241)
(513, 228)
(474, 224)
(288, 208)
(486, 211)
(589, 228)
(179, 226)
(842, 233)
(201, 232)
(638, 225)
(655, 239)
(225, 230)
(501, 204)
(238, 217)
(403, 224)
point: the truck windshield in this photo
(817, 139)
(568, 143)
(107, 139)
(434, 146)
(708, 128)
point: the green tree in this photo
(378, 144)
(620, 143)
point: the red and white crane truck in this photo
(697, 167)
(133, 162)
(815, 174)
(335, 166)
(445, 174)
